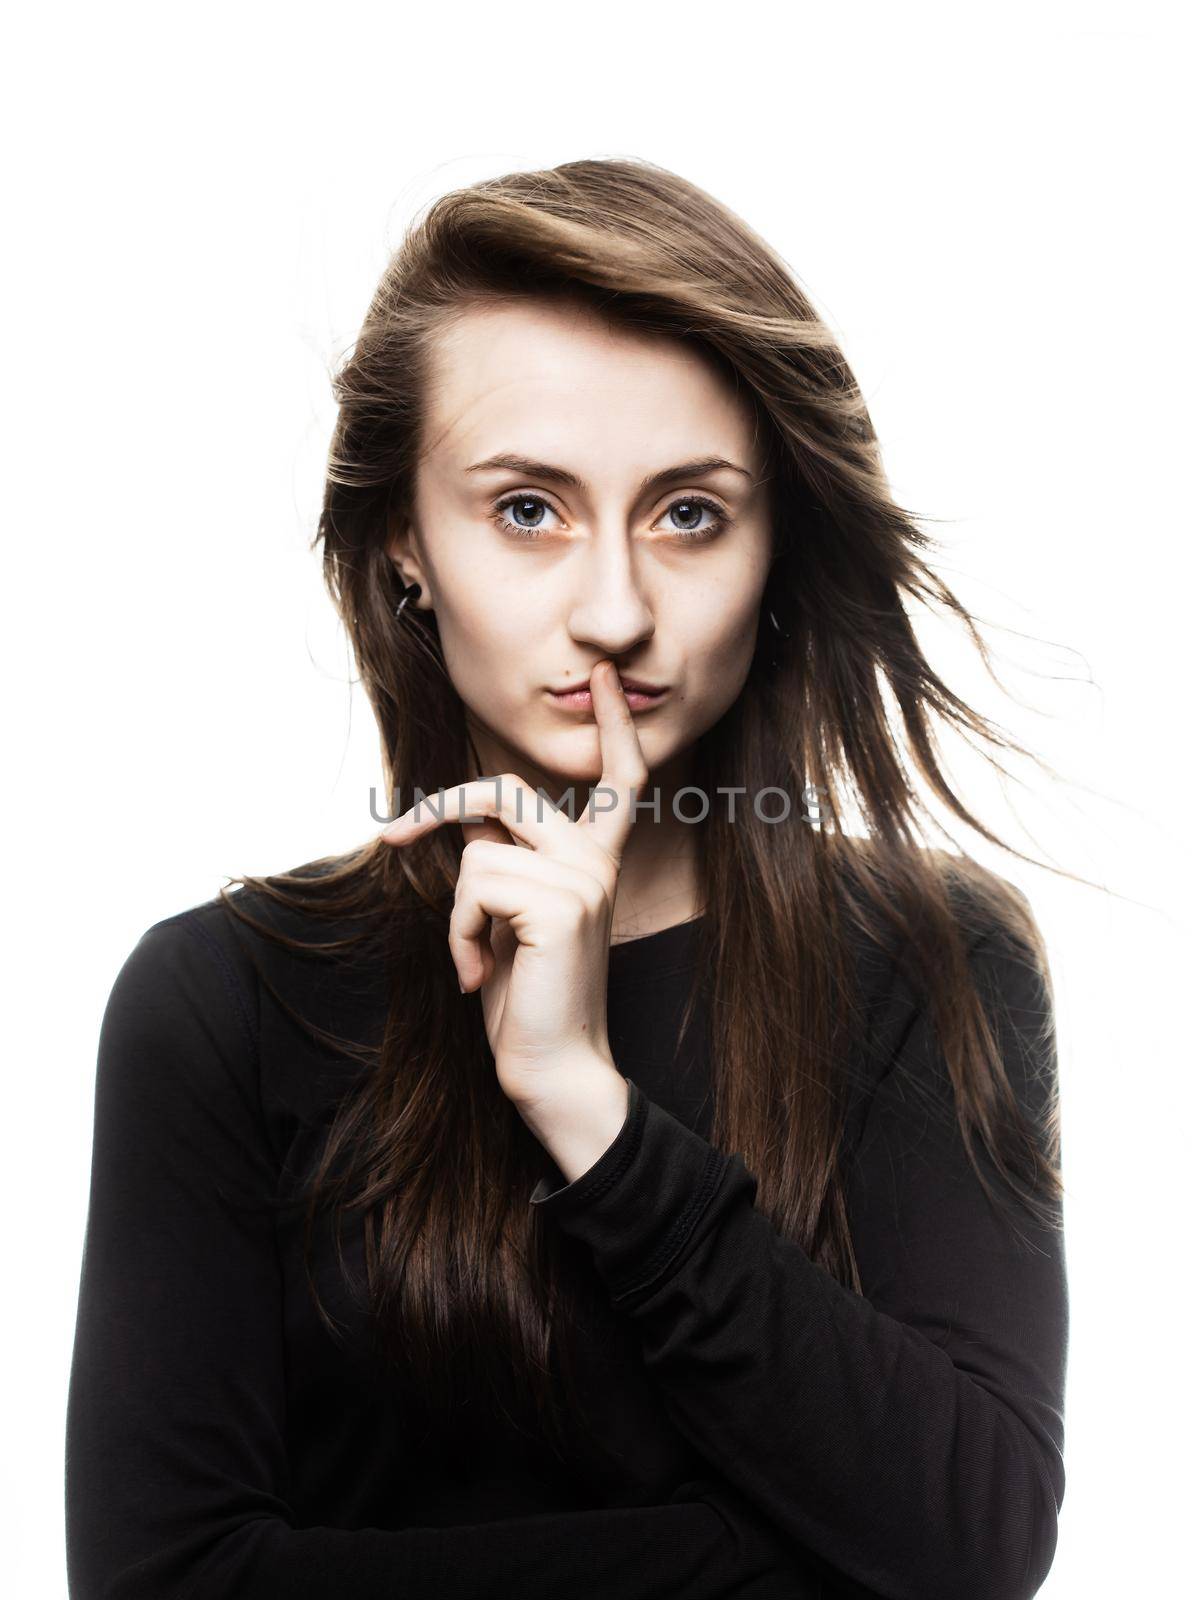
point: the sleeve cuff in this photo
(639, 1204)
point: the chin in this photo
(573, 756)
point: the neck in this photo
(658, 884)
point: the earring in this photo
(781, 633)
(412, 593)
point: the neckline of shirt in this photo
(653, 950)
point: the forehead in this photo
(542, 376)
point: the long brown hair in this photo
(463, 1277)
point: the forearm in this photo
(853, 1431)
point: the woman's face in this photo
(574, 547)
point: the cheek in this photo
(483, 635)
(718, 627)
(719, 634)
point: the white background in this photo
(983, 202)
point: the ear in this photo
(402, 550)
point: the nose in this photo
(610, 611)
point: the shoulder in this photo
(176, 1070)
(178, 1037)
(205, 962)
(303, 909)
(889, 920)
(195, 995)
(183, 961)
(1002, 950)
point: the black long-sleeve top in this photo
(781, 1434)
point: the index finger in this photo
(622, 760)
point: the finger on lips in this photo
(511, 801)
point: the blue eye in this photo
(516, 528)
(720, 518)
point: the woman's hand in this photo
(548, 893)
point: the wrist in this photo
(578, 1116)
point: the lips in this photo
(578, 697)
(636, 685)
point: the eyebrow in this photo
(655, 480)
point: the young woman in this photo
(618, 1177)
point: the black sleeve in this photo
(910, 1438)
(175, 1451)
